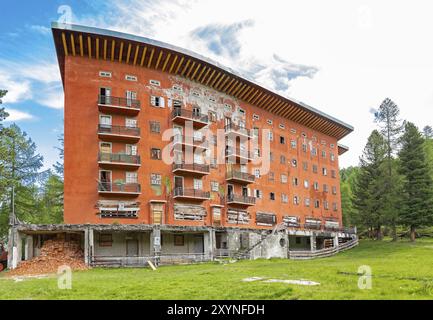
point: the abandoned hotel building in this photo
(173, 157)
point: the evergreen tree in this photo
(348, 178)
(417, 200)
(428, 132)
(388, 120)
(3, 113)
(369, 187)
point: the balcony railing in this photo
(119, 102)
(119, 130)
(234, 128)
(240, 176)
(119, 158)
(194, 141)
(237, 152)
(191, 193)
(119, 187)
(193, 167)
(233, 198)
(189, 114)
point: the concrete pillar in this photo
(209, 243)
(336, 241)
(313, 241)
(233, 240)
(14, 251)
(28, 254)
(155, 243)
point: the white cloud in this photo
(17, 115)
(17, 90)
(41, 29)
(363, 50)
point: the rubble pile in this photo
(53, 254)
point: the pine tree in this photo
(388, 120)
(369, 187)
(3, 113)
(417, 200)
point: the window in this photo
(270, 136)
(306, 184)
(304, 147)
(282, 159)
(294, 163)
(212, 99)
(324, 172)
(195, 94)
(131, 177)
(177, 87)
(296, 200)
(256, 152)
(293, 130)
(282, 140)
(105, 74)
(227, 108)
(157, 101)
(272, 196)
(241, 111)
(316, 186)
(295, 182)
(155, 179)
(282, 126)
(326, 205)
(105, 121)
(131, 149)
(293, 144)
(284, 198)
(332, 146)
(283, 178)
(214, 186)
(179, 240)
(131, 123)
(332, 156)
(334, 190)
(304, 134)
(323, 142)
(325, 188)
(212, 116)
(155, 83)
(307, 202)
(323, 154)
(333, 173)
(256, 117)
(334, 206)
(314, 168)
(155, 126)
(198, 184)
(105, 240)
(314, 151)
(155, 154)
(316, 204)
(257, 173)
(271, 156)
(128, 77)
(305, 165)
(258, 193)
(255, 132)
(269, 121)
(271, 176)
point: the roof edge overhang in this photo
(342, 149)
(92, 42)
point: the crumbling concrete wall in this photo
(275, 246)
(255, 237)
(233, 240)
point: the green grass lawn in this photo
(400, 271)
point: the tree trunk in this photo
(412, 233)
(379, 233)
(394, 233)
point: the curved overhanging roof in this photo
(96, 43)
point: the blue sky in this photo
(342, 57)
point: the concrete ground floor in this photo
(135, 245)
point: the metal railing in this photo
(118, 158)
(119, 187)
(191, 140)
(241, 199)
(322, 253)
(237, 129)
(230, 151)
(191, 167)
(191, 193)
(119, 102)
(189, 114)
(233, 174)
(119, 130)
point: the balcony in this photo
(195, 143)
(108, 188)
(119, 160)
(235, 130)
(190, 194)
(181, 116)
(240, 200)
(125, 106)
(239, 177)
(192, 168)
(238, 154)
(118, 133)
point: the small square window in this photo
(256, 117)
(282, 140)
(155, 179)
(105, 74)
(269, 121)
(155, 154)
(179, 240)
(214, 186)
(177, 87)
(272, 196)
(155, 126)
(282, 126)
(155, 83)
(293, 144)
(157, 101)
(129, 77)
(294, 163)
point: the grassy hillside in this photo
(400, 271)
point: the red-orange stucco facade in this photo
(123, 93)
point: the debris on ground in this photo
(298, 282)
(53, 254)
